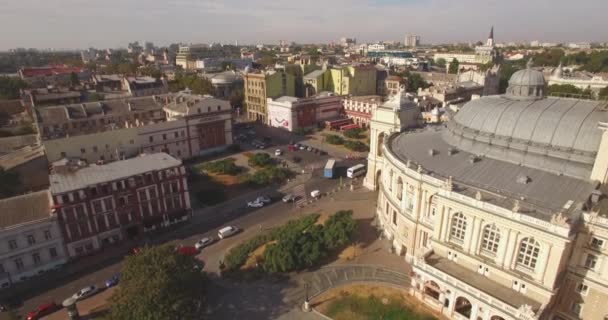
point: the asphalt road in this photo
(234, 212)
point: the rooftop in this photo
(314, 74)
(21, 156)
(543, 192)
(287, 99)
(69, 112)
(25, 208)
(366, 99)
(95, 174)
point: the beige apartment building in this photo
(501, 213)
(261, 85)
(183, 125)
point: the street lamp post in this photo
(306, 302)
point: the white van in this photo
(226, 232)
(315, 193)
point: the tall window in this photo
(591, 261)
(529, 250)
(459, 226)
(394, 217)
(399, 188)
(36, 258)
(491, 238)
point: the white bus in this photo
(355, 171)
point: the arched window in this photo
(490, 240)
(529, 250)
(399, 188)
(459, 226)
(380, 142)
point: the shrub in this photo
(353, 133)
(260, 160)
(238, 255)
(356, 146)
(334, 139)
(338, 229)
(302, 131)
(225, 166)
(269, 175)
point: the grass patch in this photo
(225, 166)
(356, 146)
(354, 307)
(334, 139)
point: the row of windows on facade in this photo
(108, 203)
(119, 185)
(82, 227)
(36, 259)
(13, 244)
(219, 108)
(176, 135)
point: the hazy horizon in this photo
(79, 24)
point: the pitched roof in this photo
(25, 208)
(95, 174)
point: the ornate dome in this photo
(527, 84)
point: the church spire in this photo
(490, 42)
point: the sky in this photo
(114, 23)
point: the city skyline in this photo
(83, 24)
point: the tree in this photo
(9, 183)
(260, 160)
(353, 133)
(74, 81)
(158, 284)
(414, 82)
(338, 229)
(440, 63)
(10, 87)
(603, 94)
(563, 90)
(236, 98)
(454, 65)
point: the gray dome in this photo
(527, 77)
(527, 84)
(553, 134)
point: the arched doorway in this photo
(377, 182)
(431, 289)
(463, 307)
(497, 318)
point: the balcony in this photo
(449, 273)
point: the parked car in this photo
(315, 193)
(264, 199)
(42, 310)
(309, 149)
(187, 251)
(226, 232)
(255, 204)
(289, 198)
(112, 281)
(85, 293)
(302, 147)
(203, 243)
(278, 152)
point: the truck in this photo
(328, 172)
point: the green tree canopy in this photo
(159, 284)
(193, 82)
(563, 89)
(454, 65)
(440, 63)
(414, 82)
(260, 160)
(10, 86)
(74, 81)
(603, 94)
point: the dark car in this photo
(42, 310)
(113, 281)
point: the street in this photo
(233, 212)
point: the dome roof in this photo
(227, 77)
(554, 134)
(527, 77)
(527, 84)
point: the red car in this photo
(43, 310)
(187, 251)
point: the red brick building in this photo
(99, 205)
